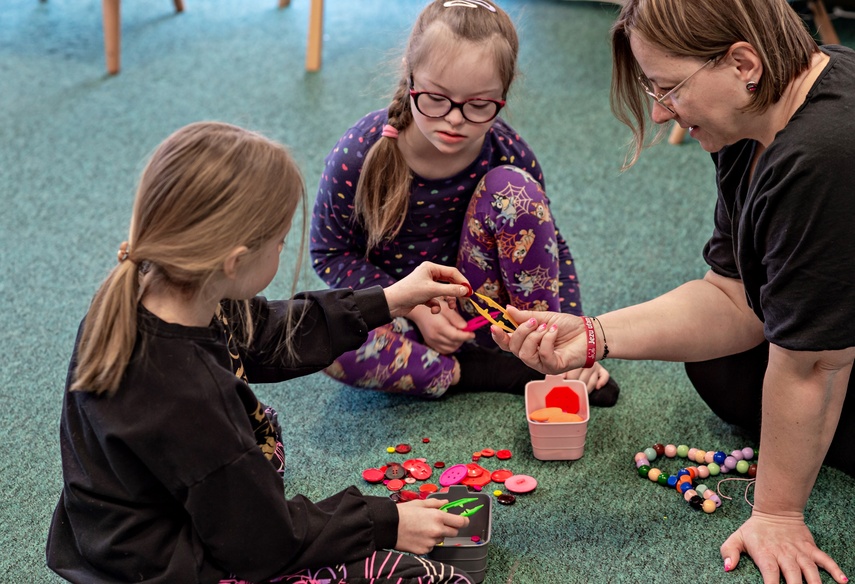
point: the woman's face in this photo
(709, 101)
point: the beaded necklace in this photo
(710, 463)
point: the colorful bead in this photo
(710, 463)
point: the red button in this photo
(488, 452)
(499, 476)
(373, 475)
(503, 454)
(506, 499)
(408, 495)
(477, 476)
(418, 470)
(403, 448)
(428, 488)
(395, 485)
(439, 464)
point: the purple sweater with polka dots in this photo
(432, 228)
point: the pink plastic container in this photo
(556, 440)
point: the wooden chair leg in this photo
(284, 3)
(179, 5)
(112, 35)
(677, 135)
(826, 31)
(316, 34)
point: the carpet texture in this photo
(73, 144)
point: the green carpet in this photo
(72, 144)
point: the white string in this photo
(745, 495)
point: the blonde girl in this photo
(172, 467)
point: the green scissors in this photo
(461, 503)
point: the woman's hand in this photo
(441, 332)
(549, 342)
(421, 525)
(428, 285)
(780, 546)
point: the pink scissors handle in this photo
(479, 321)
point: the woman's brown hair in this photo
(706, 29)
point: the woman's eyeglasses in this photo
(478, 110)
(660, 98)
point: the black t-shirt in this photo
(170, 479)
(789, 233)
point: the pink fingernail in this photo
(532, 322)
(542, 327)
(553, 328)
(727, 565)
(844, 578)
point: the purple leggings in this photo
(383, 567)
(508, 251)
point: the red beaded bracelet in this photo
(591, 337)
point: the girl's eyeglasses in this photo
(660, 98)
(478, 110)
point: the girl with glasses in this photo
(439, 176)
(768, 334)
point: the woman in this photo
(768, 335)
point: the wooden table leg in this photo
(316, 34)
(826, 31)
(677, 135)
(112, 34)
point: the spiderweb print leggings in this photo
(509, 250)
(383, 567)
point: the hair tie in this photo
(389, 132)
(470, 4)
(124, 251)
(751, 86)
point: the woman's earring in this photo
(751, 86)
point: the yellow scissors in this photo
(505, 322)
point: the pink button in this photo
(453, 475)
(520, 484)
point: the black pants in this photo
(733, 386)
